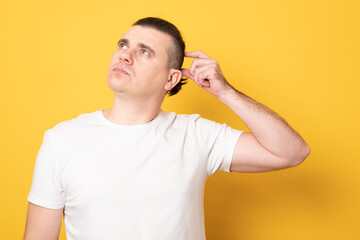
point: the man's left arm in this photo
(272, 144)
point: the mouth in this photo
(120, 70)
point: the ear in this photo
(173, 78)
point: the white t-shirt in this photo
(138, 182)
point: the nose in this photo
(125, 55)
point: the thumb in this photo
(186, 72)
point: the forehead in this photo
(157, 40)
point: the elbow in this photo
(301, 155)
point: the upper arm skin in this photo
(42, 223)
(250, 156)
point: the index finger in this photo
(196, 54)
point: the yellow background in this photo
(300, 58)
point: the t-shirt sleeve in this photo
(46, 188)
(219, 142)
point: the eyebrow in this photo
(140, 45)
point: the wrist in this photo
(227, 93)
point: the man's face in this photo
(139, 65)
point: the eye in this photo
(122, 45)
(144, 51)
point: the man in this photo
(137, 172)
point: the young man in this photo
(137, 172)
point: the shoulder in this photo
(193, 121)
(73, 125)
(180, 118)
(196, 119)
(184, 117)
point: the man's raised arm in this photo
(272, 144)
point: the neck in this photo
(127, 111)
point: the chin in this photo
(116, 85)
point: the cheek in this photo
(151, 68)
(158, 72)
(113, 58)
(111, 63)
(153, 76)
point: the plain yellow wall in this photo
(300, 58)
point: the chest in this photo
(132, 170)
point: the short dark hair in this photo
(176, 54)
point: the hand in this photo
(206, 73)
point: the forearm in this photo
(269, 128)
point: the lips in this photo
(120, 70)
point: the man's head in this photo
(152, 53)
(176, 51)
